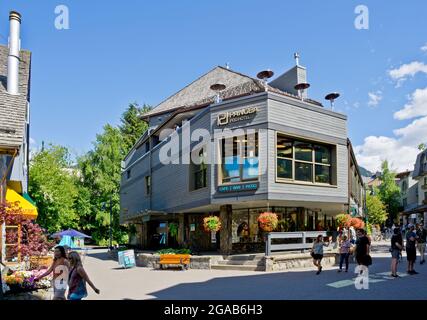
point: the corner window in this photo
(199, 170)
(239, 159)
(148, 185)
(303, 161)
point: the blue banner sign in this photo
(238, 188)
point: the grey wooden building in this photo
(15, 82)
(253, 147)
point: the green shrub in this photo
(174, 251)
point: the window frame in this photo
(332, 166)
(241, 154)
(203, 170)
(148, 185)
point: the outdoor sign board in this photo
(127, 259)
(238, 187)
(236, 116)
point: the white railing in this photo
(301, 245)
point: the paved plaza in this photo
(116, 283)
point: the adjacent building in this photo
(234, 146)
(419, 212)
(15, 75)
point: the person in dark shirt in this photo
(363, 245)
(421, 238)
(396, 251)
(411, 249)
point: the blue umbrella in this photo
(71, 233)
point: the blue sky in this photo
(118, 52)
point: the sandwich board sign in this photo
(127, 259)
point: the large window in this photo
(199, 170)
(303, 161)
(239, 159)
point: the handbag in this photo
(368, 260)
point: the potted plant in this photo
(268, 221)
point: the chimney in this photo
(288, 80)
(14, 49)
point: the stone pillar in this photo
(226, 233)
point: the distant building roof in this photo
(404, 174)
(13, 109)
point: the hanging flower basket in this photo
(343, 220)
(212, 224)
(268, 221)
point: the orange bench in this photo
(180, 260)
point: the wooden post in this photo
(19, 242)
(181, 229)
(226, 233)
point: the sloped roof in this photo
(198, 93)
(13, 109)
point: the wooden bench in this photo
(180, 260)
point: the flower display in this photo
(212, 224)
(25, 280)
(268, 221)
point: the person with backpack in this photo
(421, 239)
(396, 251)
(411, 249)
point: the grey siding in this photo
(317, 126)
(171, 183)
(312, 123)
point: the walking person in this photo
(421, 238)
(60, 268)
(317, 253)
(363, 246)
(411, 249)
(345, 246)
(396, 251)
(78, 279)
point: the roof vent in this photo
(218, 88)
(301, 88)
(264, 76)
(332, 97)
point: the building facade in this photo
(15, 75)
(251, 148)
(419, 214)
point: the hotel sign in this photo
(238, 187)
(236, 116)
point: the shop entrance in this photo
(162, 234)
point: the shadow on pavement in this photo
(305, 285)
(104, 256)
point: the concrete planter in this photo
(293, 261)
(146, 260)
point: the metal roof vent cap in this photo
(218, 88)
